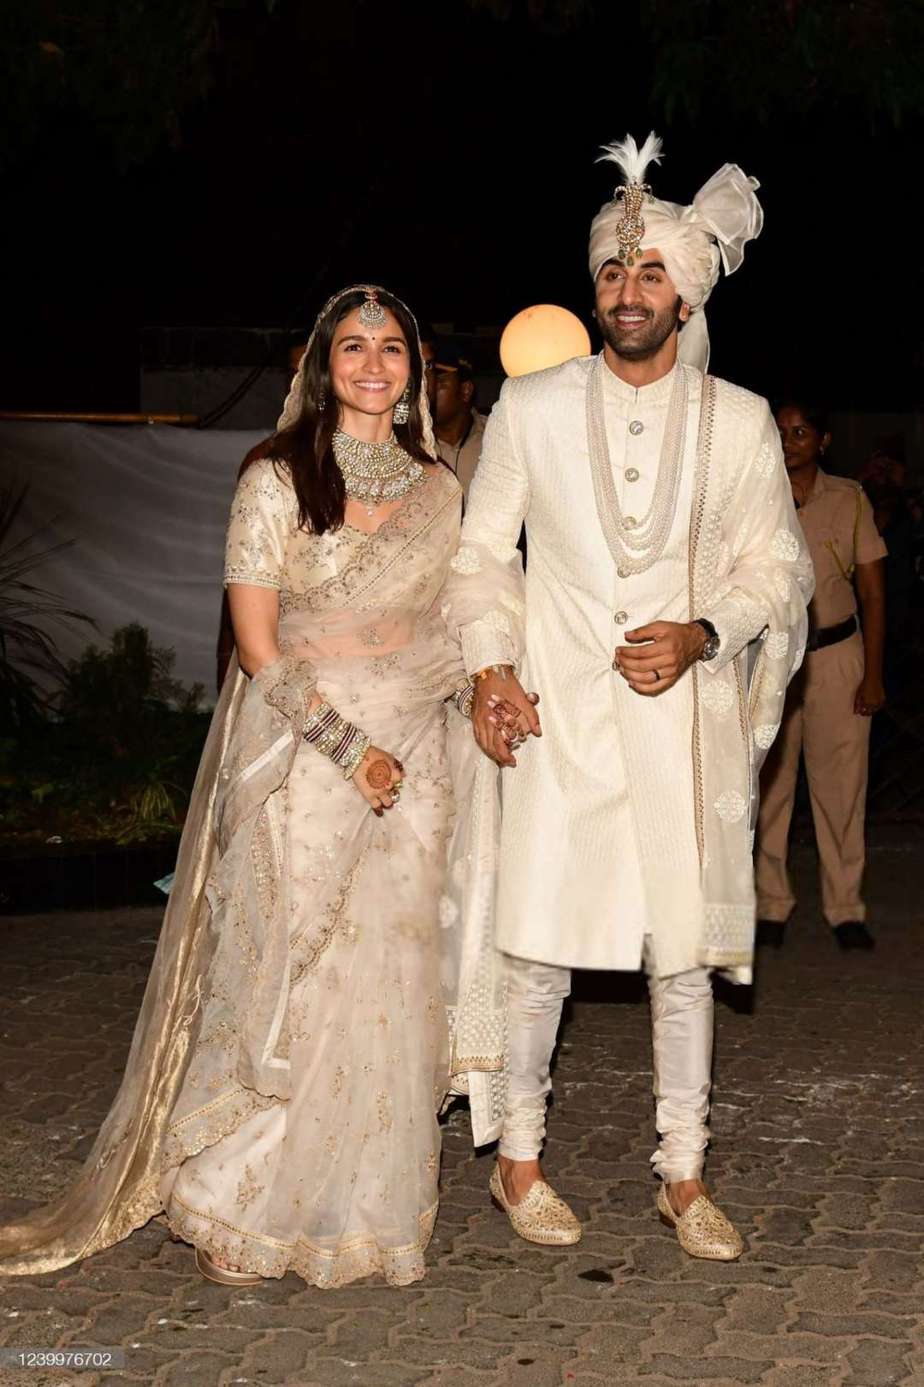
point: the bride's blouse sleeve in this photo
(263, 518)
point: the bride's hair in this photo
(306, 445)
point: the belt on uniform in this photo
(831, 635)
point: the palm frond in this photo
(26, 608)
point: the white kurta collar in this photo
(653, 396)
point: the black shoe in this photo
(853, 934)
(770, 934)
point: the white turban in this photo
(694, 241)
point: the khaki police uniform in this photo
(819, 720)
(463, 457)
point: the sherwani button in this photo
(621, 618)
(632, 474)
(636, 427)
(629, 521)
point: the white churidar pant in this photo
(682, 1031)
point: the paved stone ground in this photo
(818, 1155)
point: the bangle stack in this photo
(337, 739)
(464, 698)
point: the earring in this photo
(322, 401)
(402, 410)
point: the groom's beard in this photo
(638, 344)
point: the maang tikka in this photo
(371, 313)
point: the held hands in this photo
(870, 697)
(378, 779)
(658, 654)
(503, 716)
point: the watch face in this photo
(711, 648)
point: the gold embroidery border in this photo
(427, 1219)
(697, 514)
(352, 585)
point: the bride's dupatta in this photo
(218, 991)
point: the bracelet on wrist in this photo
(340, 741)
(464, 698)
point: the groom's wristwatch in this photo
(713, 641)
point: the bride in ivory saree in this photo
(320, 982)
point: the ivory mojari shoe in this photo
(541, 1216)
(702, 1229)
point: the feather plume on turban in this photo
(695, 241)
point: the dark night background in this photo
(209, 163)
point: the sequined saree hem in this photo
(327, 1267)
(211, 1124)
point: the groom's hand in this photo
(659, 654)
(503, 711)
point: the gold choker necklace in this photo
(375, 473)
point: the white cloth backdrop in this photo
(146, 508)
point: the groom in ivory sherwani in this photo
(662, 543)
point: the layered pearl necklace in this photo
(375, 473)
(636, 545)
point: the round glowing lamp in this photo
(542, 336)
